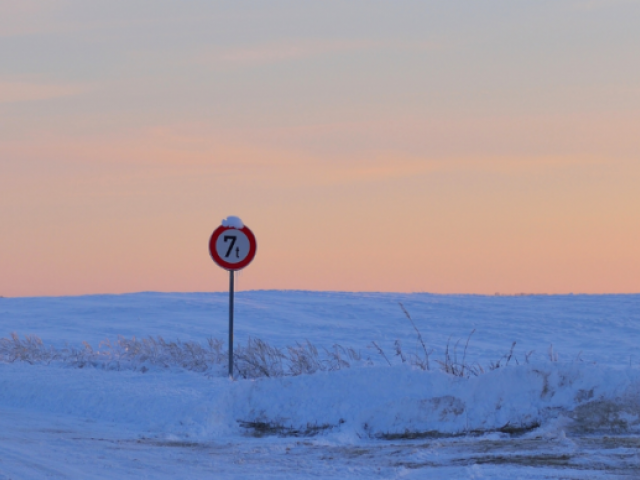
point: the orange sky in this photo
(396, 148)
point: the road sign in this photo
(232, 248)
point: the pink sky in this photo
(407, 148)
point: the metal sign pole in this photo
(231, 324)
(232, 246)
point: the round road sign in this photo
(232, 248)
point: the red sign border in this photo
(253, 247)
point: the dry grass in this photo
(417, 360)
(450, 363)
(123, 353)
(254, 360)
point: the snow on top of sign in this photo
(233, 222)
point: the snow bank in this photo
(401, 402)
(346, 406)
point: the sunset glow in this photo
(369, 146)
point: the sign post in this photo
(232, 246)
(231, 274)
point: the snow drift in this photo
(365, 402)
(179, 388)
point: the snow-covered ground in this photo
(90, 411)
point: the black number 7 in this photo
(233, 242)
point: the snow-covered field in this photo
(564, 402)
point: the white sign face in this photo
(233, 246)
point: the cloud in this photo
(13, 92)
(262, 54)
(277, 52)
(27, 17)
(166, 156)
(600, 4)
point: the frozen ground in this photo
(574, 418)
